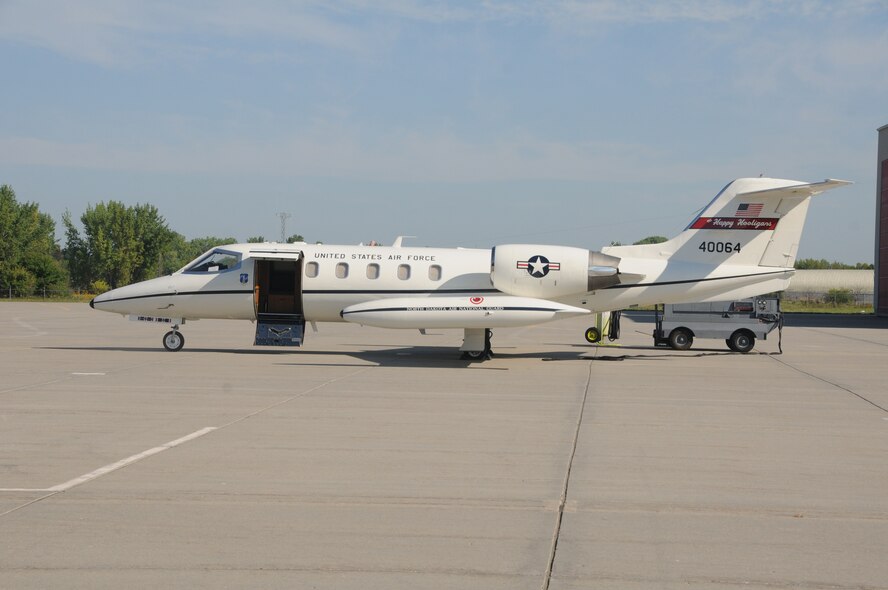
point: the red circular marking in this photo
(476, 300)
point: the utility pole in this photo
(284, 217)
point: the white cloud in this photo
(126, 32)
(628, 11)
(333, 146)
(403, 157)
(838, 65)
(589, 12)
(91, 32)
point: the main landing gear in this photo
(476, 344)
(593, 335)
(174, 340)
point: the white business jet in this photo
(743, 243)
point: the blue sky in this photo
(461, 123)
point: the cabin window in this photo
(372, 271)
(435, 272)
(404, 271)
(215, 261)
(311, 270)
(342, 270)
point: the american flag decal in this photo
(749, 210)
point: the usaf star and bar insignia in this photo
(538, 266)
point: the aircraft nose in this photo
(92, 303)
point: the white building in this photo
(881, 261)
(815, 284)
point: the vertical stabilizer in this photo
(751, 222)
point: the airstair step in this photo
(280, 330)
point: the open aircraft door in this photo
(277, 298)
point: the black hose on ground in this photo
(613, 332)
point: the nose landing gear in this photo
(174, 340)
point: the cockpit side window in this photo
(214, 262)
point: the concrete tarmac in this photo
(375, 459)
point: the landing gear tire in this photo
(173, 341)
(680, 339)
(593, 335)
(480, 355)
(741, 341)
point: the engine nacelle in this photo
(549, 272)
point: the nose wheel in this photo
(173, 340)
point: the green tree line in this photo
(29, 256)
(824, 264)
(114, 245)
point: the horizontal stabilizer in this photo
(798, 190)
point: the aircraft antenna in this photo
(284, 217)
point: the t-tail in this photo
(743, 243)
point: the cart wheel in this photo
(593, 335)
(741, 341)
(680, 339)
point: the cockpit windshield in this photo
(215, 261)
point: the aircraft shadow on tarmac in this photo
(661, 353)
(411, 356)
(425, 356)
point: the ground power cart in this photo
(737, 322)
